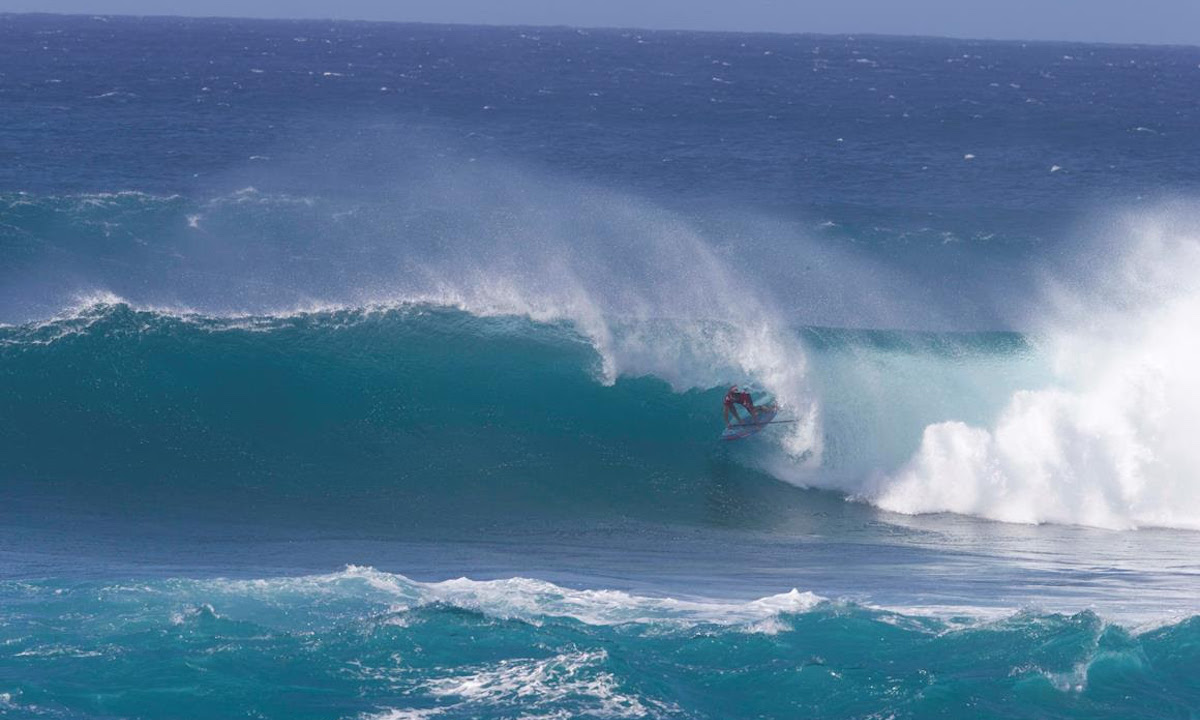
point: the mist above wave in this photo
(1109, 440)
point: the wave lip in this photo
(532, 599)
(526, 600)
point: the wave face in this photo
(363, 643)
(419, 407)
(431, 411)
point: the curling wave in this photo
(597, 344)
(421, 403)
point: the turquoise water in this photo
(356, 370)
(371, 643)
(662, 541)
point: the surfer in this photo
(736, 397)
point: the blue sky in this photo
(1141, 21)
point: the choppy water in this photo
(304, 321)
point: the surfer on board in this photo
(736, 397)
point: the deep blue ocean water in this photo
(355, 370)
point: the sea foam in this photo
(1111, 441)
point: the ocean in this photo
(374, 371)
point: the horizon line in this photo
(602, 28)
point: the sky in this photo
(1125, 21)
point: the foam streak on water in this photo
(388, 647)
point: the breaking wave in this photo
(557, 327)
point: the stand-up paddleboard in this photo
(748, 428)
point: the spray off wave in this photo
(1085, 424)
(1110, 441)
(648, 291)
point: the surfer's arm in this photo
(751, 409)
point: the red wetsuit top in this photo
(741, 398)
